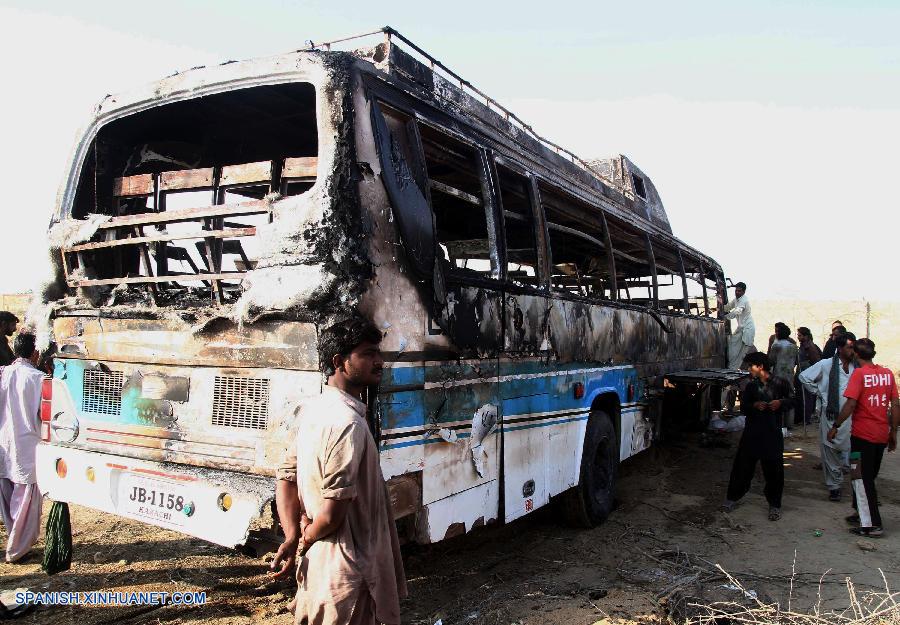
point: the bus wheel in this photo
(591, 501)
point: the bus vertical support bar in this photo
(417, 163)
(655, 280)
(211, 245)
(490, 207)
(703, 284)
(721, 295)
(497, 201)
(138, 230)
(159, 203)
(541, 237)
(685, 306)
(610, 259)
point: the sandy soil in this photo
(534, 570)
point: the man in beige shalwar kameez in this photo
(331, 496)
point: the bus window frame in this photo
(605, 244)
(456, 275)
(650, 261)
(537, 223)
(421, 113)
(674, 250)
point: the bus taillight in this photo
(578, 389)
(46, 414)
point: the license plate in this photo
(153, 501)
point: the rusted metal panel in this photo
(227, 233)
(284, 345)
(260, 171)
(171, 277)
(186, 179)
(250, 207)
(129, 186)
(405, 494)
(300, 167)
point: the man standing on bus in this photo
(20, 404)
(743, 331)
(331, 496)
(872, 401)
(763, 402)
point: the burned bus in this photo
(212, 223)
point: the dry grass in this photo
(867, 608)
(704, 593)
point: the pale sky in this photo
(770, 129)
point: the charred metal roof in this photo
(611, 181)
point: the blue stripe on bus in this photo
(458, 402)
(427, 441)
(399, 376)
(544, 424)
(461, 435)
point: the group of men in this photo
(20, 401)
(331, 495)
(340, 537)
(856, 401)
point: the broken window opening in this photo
(639, 188)
(185, 186)
(634, 272)
(463, 219)
(697, 293)
(518, 217)
(670, 279)
(578, 254)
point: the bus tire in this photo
(590, 502)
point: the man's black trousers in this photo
(870, 455)
(769, 452)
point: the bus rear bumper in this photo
(217, 506)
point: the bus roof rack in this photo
(391, 33)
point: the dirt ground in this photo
(657, 550)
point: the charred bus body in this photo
(212, 223)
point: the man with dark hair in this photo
(8, 322)
(829, 348)
(783, 355)
(809, 354)
(774, 336)
(743, 331)
(331, 496)
(763, 402)
(827, 379)
(20, 405)
(873, 403)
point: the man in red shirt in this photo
(870, 393)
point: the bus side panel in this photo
(459, 455)
(528, 399)
(401, 416)
(524, 324)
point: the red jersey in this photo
(873, 387)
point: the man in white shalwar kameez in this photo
(20, 404)
(742, 330)
(818, 379)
